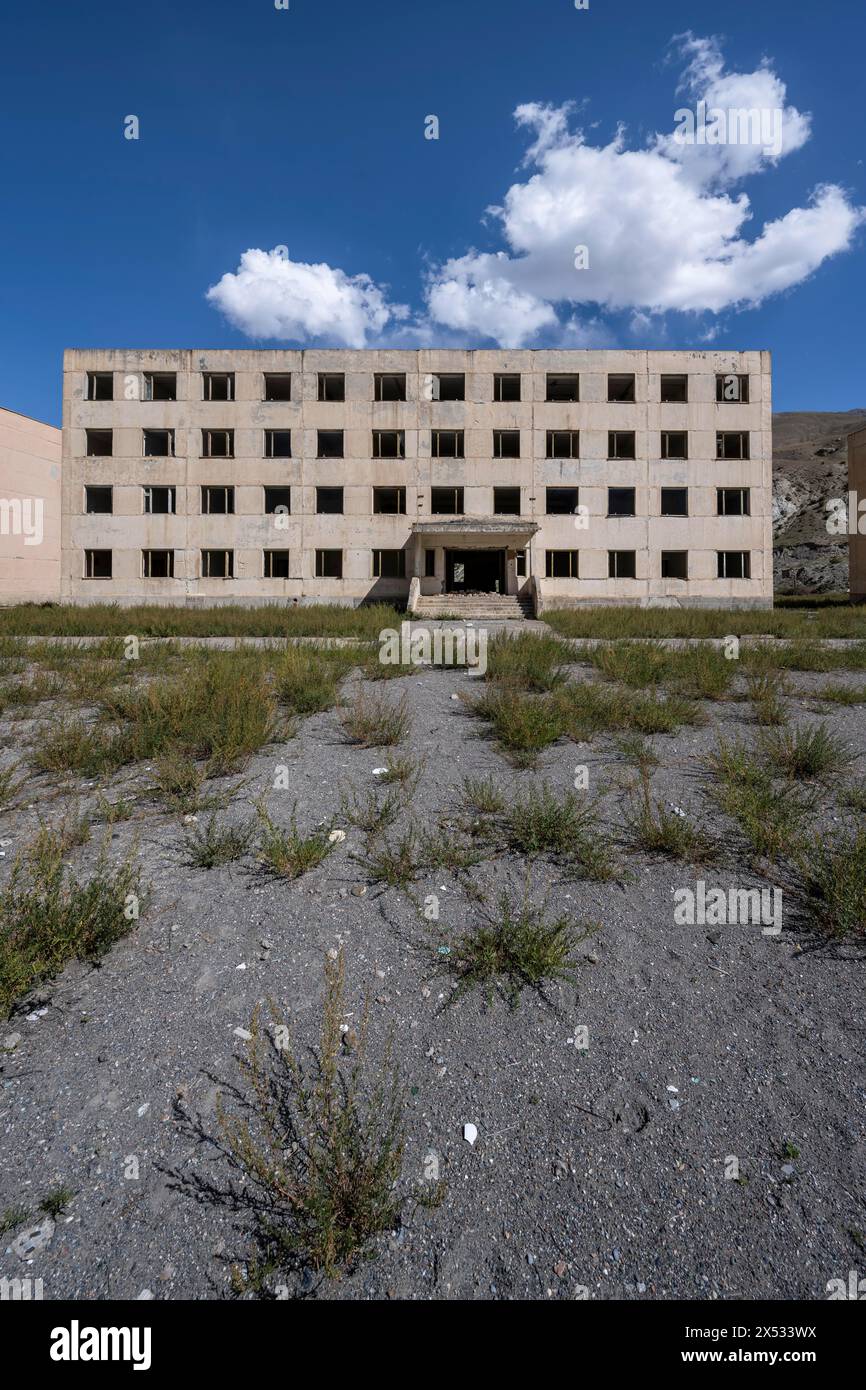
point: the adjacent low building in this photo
(30, 454)
(555, 477)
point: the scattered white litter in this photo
(242, 966)
(36, 1015)
(243, 1034)
(674, 1090)
(144, 1295)
(143, 1109)
(470, 1133)
(379, 771)
(677, 810)
(336, 836)
(11, 1041)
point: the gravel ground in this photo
(597, 1172)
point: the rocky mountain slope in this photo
(810, 466)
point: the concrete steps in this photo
(489, 607)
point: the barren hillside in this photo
(809, 467)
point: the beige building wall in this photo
(127, 531)
(856, 517)
(30, 459)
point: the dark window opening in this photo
(561, 564)
(430, 564)
(217, 444)
(330, 444)
(389, 444)
(217, 501)
(506, 501)
(563, 444)
(278, 387)
(100, 386)
(732, 388)
(621, 387)
(98, 500)
(389, 386)
(217, 564)
(389, 501)
(332, 386)
(506, 444)
(159, 501)
(520, 564)
(218, 386)
(674, 388)
(329, 500)
(733, 501)
(675, 444)
(506, 386)
(675, 564)
(620, 501)
(160, 386)
(99, 443)
(446, 444)
(329, 564)
(561, 501)
(157, 564)
(389, 564)
(449, 386)
(278, 499)
(674, 501)
(278, 444)
(734, 564)
(97, 564)
(158, 444)
(733, 446)
(621, 564)
(446, 501)
(620, 444)
(563, 388)
(276, 564)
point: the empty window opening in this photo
(278, 444)
(217, 501)
(733, 387)
(389, 386)
(674, 388)
(430, 564)
(674, 501)
(389, 444)
(620, 444)
(278, 499)
(733, 501)
(98, 500)
(100, 386)
(520, 564)
(561, 501)
(620, 501)
(506, 386)
(157, 564)
(278, 387)
(218, 386)
(449, 386)
(675, 564)
(561, 564)
(159, 501)
(276, 564)
(446, 501)
(621, 564)
(506, 444)
(446, 444)
(329, 500)
(217, 564)
(332, 386)
(218, 444)
(99, 443)
(563, 388)
(675, 444)
(330, 444)
(97, 564)
(389, 501)
(733, 445)
(329, 564)
(734, 564)
(158, 444)
(160, 386)
(563, 444)
(389, 564)
(621, 387)
(506, 501)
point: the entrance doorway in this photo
(475, 571)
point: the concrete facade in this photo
(856, 517)
(561, 557)
(30, 460)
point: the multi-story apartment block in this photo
(567, 477)
(30, 454)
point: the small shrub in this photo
(523, 725)
(178, 783)
(308, 679)
(527, 661)
(659, 829)
(806, 751)
(765, 690)
(288, 853)
(841, 694)
(371, 811)
(211, 845)
(831, 881)
(482, 797)
(396, 862)
(55, 1202)
(372, 720)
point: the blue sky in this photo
(305, 129)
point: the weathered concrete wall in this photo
(30, 457)
(857, 542)
(358, 532)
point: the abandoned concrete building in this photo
(857, 515)
(486, 481)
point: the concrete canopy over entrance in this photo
(470, 553)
